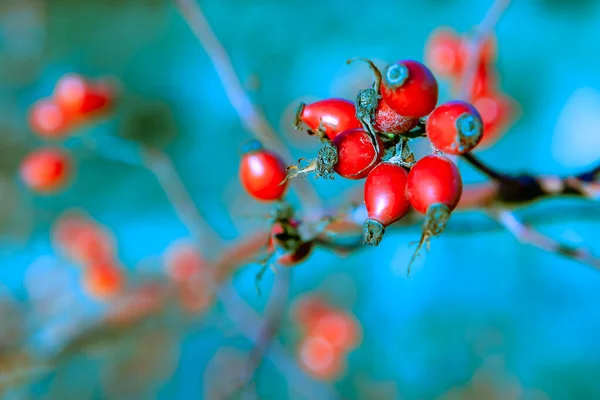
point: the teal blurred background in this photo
(481, 316)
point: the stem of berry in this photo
(367, 102)
(486, 170)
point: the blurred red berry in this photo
(320, 359)
(389, 121)
(409, 88)
(103, 280)
(334, 115)
(444, 52)
(46, 170)
(182, 261)
(83, 240)
(455, 127)
(497, 112)
(80, 98)
(434, 179)
(262, 173)
(356, 154)
(341, 330)
(485, 81)
(49, 120)
(308, 309)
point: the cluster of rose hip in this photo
(92, 246)
(328, 335)
(369, 138)
(76, 101)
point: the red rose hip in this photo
(262, 173)
(434, 179)
(333, 115)
(455, 127)
(356, 154)
(409, 88)
(385, 199)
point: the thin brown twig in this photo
(251, 115)
(240, 311)
(161, 165)
(480, 35)
(274, 314)
(528, 235)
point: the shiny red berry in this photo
(49, 120)
(46, 170)
(389, 121)
(409, 88)
(356, 154)
(333, 115)
(385, 199)
(455, 127)
(262, 173)
(434, 179)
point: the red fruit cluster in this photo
(91, 246)
(186, 267)
(449, 54)
(401, 105)
(328, 335)
(75, 101)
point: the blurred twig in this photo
(528, 235)
(252, 117)
(475, 46)
(274, 314)
(161, 165)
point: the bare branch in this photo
(162, 167)
(528, 235)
